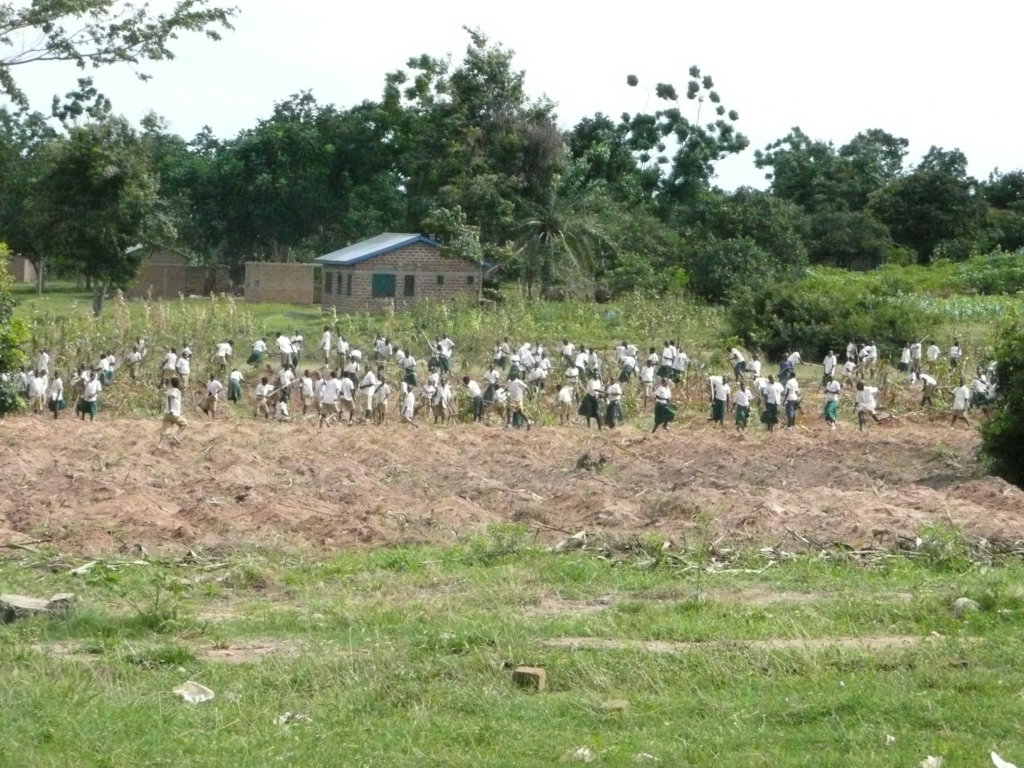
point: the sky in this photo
(937, 74)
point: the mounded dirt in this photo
(108, 487)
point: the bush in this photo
(823, 311)
(12, 336)
(1003, 433)
(992, 274)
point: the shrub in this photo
(824, 311)
(1003, 433)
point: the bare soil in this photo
(106, 487)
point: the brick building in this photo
(393, 269)
(166, 274)
(284, 283)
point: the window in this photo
(327, 281)
(348, 284)
(410, 285)
(440, 280)
(383, 286)
(470, 279)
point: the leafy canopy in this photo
(96, 33)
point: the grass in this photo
(402, 657)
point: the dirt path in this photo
(108, 487)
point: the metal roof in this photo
(375, 246)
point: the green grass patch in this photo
(403, 657)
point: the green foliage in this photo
(12, 338)
(823, 311)
(96, 33)
(995, 273)
(95, 199)
(741, 239)
(1003, 433)
(695, 141)
(848, 239)
(934, 205)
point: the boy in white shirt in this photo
(832, 391)
(222, 354)
(647, 384)
(55, 395)
(741, 406)
(235, 381)
(209, 404)
(720, 401)
(792, 401)
(407, 406)
(90, 398)
(961, 399)
(866, 404)
(172, 412)
(328, 406)
(263, 390)
(380, 401)
(565, 403)
(613, 411)
(325, 345)
(515, 417)
(306, 390)
(476, 397)
(772, 399)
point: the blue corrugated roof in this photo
(375, 246)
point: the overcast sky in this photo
(935, 73)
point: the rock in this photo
(288, 718)
(998, 762)
(576, 541)
(530, 677)
(615, 705)
(591, 460)
(579, 755)
(194, 693)
(17, 606)
(931, 762)
(963, 605)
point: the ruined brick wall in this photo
(285, 283)
(434, 278)
(21, 269)
(168, 281)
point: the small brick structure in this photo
(167, 274)
(285, 283)
(21, 269)
(396, 270)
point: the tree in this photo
(819, 178)
(1003, 434)
(94, 200)
(740, 238)
(848, 239)
(470, 137)
(695, 146)
(21, 135)
(97, 33)
(935, 204)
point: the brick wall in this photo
(285, 283)
(421, 261)
(168, 281)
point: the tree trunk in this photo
(39, 275)
(99, 294)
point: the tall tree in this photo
(682, 147)
(470, 137)
(96, 33)
(94, 200)
(934, 205)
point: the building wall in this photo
(21, 269)
(421, 261)
(285, 283)
(168, 281)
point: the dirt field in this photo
(107, 487)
